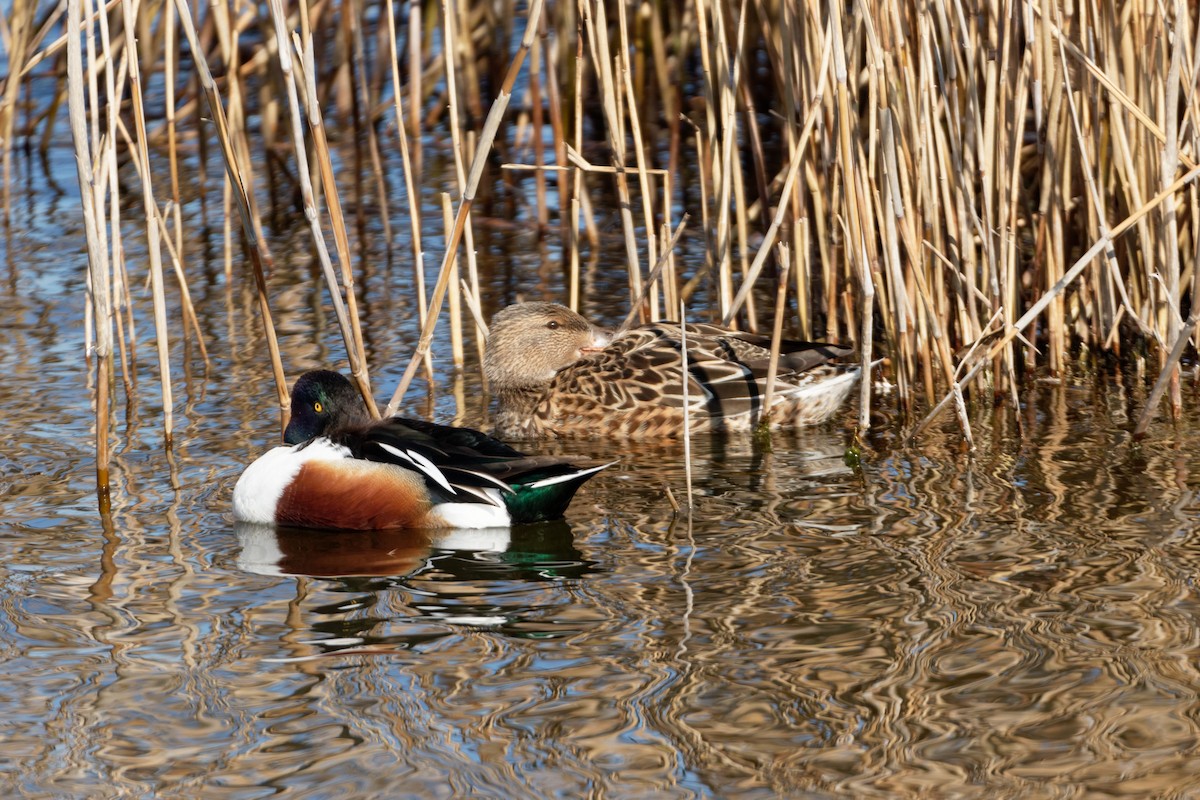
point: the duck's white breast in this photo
(257, 493)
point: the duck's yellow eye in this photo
(317, 407)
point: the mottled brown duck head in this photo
(530, 342)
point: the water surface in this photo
(1017, 622)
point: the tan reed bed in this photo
(978, 191)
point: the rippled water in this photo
(1017, 623)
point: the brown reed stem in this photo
(410, 192)
(785, 264)
(150, 206)
(90, 193)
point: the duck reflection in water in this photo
(410, 587)
(531, 552)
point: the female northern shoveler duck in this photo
(556, 374)
(342, 470)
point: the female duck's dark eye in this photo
(552, 325)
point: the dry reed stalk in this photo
(254, 248)
(363, 120)
(171, 65)
(639, 152)
(891, 210)
(537, 122)
(801, 239)
(471, 296)
(91, 197)
(670, 276)
(724, 135)
(856, 245)
(478, 162)
(685, 379)
(550, 50)
(348, 317)
(582, 207)
(596, 25)
(150, 208)
(1169, 164)
(785, 263)
(576, 197)
(451, 28)
(106, 171)
(20, 32)
(415, 90)
(456, 347)
(354, 351)
(410, 192)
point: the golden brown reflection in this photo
(1017, 623)
(1021, 622)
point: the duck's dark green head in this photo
(323, 400)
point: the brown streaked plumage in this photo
(557, 375)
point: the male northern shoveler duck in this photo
(556, 374)
(339, 469)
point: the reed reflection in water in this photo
(1021, 624)
(1017, 623)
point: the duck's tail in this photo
(818, 395)
(544, 492)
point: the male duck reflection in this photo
(341, 470)
(556, 374)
